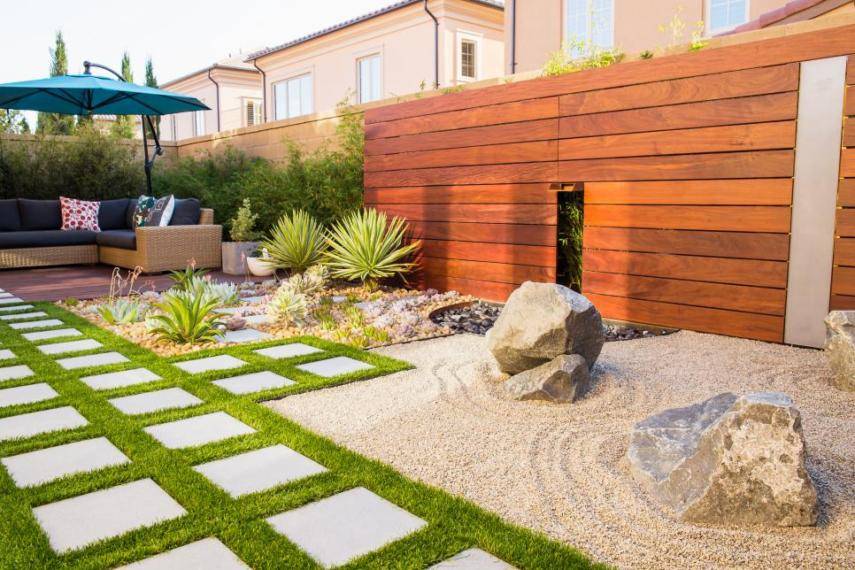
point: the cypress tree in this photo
(123, 127)
(55, 123)
(151, 81)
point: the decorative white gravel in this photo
(560, 469)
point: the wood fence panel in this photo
(843, 278)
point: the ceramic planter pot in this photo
(260, 267)
(235, 256)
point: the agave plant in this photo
(183, 280)
(186, 317)
(310, 281)
(287, 305)
(296, 242)
(224, 293)
(122, 311)
(367, 246)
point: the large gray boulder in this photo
(840, 346)
(728, 460)
(541, 321)
(561, 379)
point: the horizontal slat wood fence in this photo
(843, 279)
(687, 166)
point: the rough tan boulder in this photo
(561, 379)
(728, 460)
(541, 321)
(840, 346)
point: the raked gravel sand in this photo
(560, 468)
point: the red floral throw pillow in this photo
(79, 215)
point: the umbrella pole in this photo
(148, 163)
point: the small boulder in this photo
(561, 379)
(728, 460)
(840, 346)
(541, 321)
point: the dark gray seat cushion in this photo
(186, 213)
(10, 219)
(39, 214)
(112, 214)
(124, 239)
(46, 238)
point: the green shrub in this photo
(185, 280)
(366, 246)
(186, 318)
(570, 231)
(296, 242)
(243, 222)
(576, 55)
(122, 311)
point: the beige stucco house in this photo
(398, 50)
(230, 87)
(536, 28)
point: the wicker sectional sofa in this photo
(30, 236)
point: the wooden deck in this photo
(80, 282)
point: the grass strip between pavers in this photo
(453, 523)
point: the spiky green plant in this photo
(310, 281)
(186, 317)
(183, 280)
(367, 246)
(223, 292)
(296, 242)
(287, 306)
(121, 311)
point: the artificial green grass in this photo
(453, 523)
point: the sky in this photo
(180, 36)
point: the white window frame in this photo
(475, 38)
(565, 13)
(199, 120)
(257, 111)
(306, 73)
(712, 31)
(359, 59)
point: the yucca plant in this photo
(367, 246)
(121, 311)
(296, 242)
(186, 317)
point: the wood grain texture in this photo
(764, 219)
(485, 271)
(759, 109)
(742, 83)
(846, 222)
(847, 163)
(849, 107)
(759, 164)
(717, 321)
(771, 247)
(844, 251)
(464, 194)
(760, 136)
(849, 131)
(523, 234)
(843, 281)
(540, 214)
(756, 192)
(489, 174)
(545, 129)
(537, 151)
(709, 269)
(846, 193)
(850, 70)
(541, 256)
(714, 295)
(842, 303)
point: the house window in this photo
(293, 97)
(468, 56)
(369, 72)
(589, 22)
(252, 112)
(198, 123)
(726, 14)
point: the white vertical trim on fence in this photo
(818, 140)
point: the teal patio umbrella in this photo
(88, 94)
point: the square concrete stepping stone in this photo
(101, 359)
(207, 554)
(112, 380)
(4, 294)
(243, 335)
(22, 316)
(288, 350)
(35, 423)
(337, 529)
(221, 362)
(257, 319)
(26, 395)
(45, 465)
(255, 382)
(6, 354)
(259, 470)
(473, 559)
(169, 399)
(228, 310)
(15, 372)
(15, 308)
(334, 366)
(73, 346)
(36, 324)
(48, 335)
(78, 521)
(198, 430)
(253, 299)
(10, 301)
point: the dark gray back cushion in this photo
(40, 214)
(187, 212)
(10, 219)
(112, 215)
